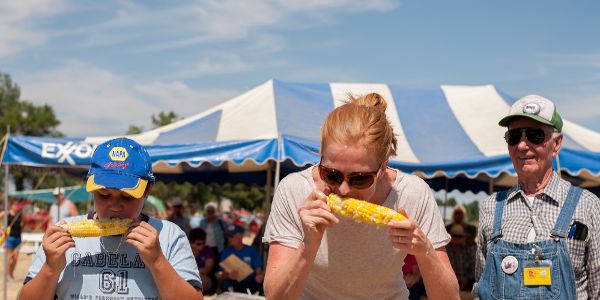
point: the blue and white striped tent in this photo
(443, 132)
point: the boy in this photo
(152, 260)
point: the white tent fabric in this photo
(444, 131)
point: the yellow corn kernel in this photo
(363, 211)
(94, 228)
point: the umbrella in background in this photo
(159, 206)
(74, 193)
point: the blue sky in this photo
(104, 65)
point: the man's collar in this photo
(550, 191)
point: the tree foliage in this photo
(243, 196)
(24, 118)
(163, 119)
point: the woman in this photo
(13, 241)
(315, 255)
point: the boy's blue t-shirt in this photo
(96, 270)
(248, 254)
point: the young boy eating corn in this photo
(115, 252)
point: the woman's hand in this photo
(144, 238)
(406, 236)
(56, 242)
(315, 216)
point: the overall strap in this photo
(566, 213)
(500, 201)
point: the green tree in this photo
(163, 119)
(24, 118)
(451, 202)
(133, 129)
(472, 211)
(159, 120)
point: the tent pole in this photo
(558, 165)
(5, 226)
(268, 189)
(445, 196)
(278, 163)
(491, 186)
(5, 221)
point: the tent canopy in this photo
(447, 131)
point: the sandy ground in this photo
(13, 286)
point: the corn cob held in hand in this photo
(94, 228)
(363, 211)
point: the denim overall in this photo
(495, 283)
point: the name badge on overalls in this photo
(539, 272)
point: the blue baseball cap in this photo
(233, 229)
(120, 164)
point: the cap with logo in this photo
(534, 107)
(120, 164)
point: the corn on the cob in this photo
(363, 211)
(94, 228)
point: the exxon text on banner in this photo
(65, 152)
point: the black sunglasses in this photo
(534, 135)
(356, 180)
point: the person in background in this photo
(16, 222)
(205, 259)
(62, 208)
(215, 229)
(412, 277)
(195, 215)
(313, 254)
(540, 239)
(178, 217)
(249, 255)
(462, 248)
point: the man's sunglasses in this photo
(356, 180)
(534, 135)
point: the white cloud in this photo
(225, 63)
(209, 21)
(19, 23)
(180, 98)
(350, 5)
(91, 101)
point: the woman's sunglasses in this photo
(356, 180)
(534, 135)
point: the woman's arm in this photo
(436, 270)
(438, 276)
(288, 268)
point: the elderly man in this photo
(539, 239)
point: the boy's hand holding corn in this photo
(144, 238)
(55, 243)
